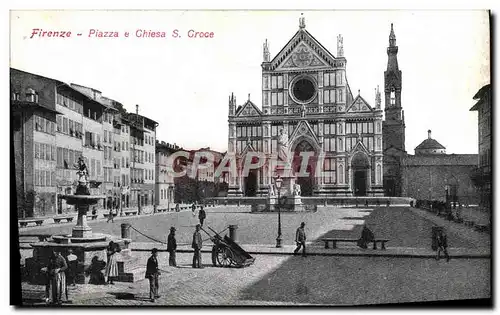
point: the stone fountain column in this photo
(82, 229)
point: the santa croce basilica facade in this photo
(307, 104)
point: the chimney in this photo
(429, 134)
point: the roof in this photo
(429, 144)
(441, 160)
(480, 96)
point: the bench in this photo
(58, 219)
(469, 223)
(481, 227)
(132, 212)
(352, 240)
(105, 215)
(93, 216)
(24, 222)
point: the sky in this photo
(184, 83)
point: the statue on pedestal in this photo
(283, 146)
(271, 190)
(296, 190)
(83, 172)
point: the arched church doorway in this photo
(304, 177)
(251, 184)
(360, 167)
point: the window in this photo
(326, 79)
(59, 123)
(65, 125)
(370, 127)
(326, 97)
(393, 96)
(274, 98)
(105, 136)
(98, 167)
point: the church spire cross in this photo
(392, 37)
(302, 21)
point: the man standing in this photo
(152, 273)
(300, 239)
(171, 247)
(56, 271)
(202, 215)
(197, 244)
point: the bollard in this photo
(232, 232)
(125, 230)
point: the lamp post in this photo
(277, 182)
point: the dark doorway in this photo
(390, 187)
(251, 184)
(306, 183)
(360, 183)
(360, 168)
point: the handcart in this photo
(226, 253)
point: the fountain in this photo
(85, 244)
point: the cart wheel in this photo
(224, 256)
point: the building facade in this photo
(431, 174)
(306, 95)
(164, 189)
(482, 175)
(54, 124)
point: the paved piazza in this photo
(278, 280)
(284, 279)
(402, 226)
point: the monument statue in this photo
(303, 110)
(296, 190)
(83, 172)
(271, 190)
(283, 146)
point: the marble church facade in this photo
(306, 94)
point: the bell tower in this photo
(394, 124)
(393, 127)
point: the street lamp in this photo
(277, 182)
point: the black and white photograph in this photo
(257, 158)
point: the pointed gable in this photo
(359, 105)
(248, 109)
(360, 146)
(303, 129)
(303, 50)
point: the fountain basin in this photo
(68, 238)
(82, 199)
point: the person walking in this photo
(300, 239)
(193, 207)
(111, 271)
(442, 245)
(57, 290)
(110, 215)
(172, 247)
(152, 273)
(202, 215)
(197, 244)
(177, 207)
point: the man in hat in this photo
(197, 244)
(367, 236)
(300, 239)
(442, 245)
(202, 215)
(152, 273)
(171, 247)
